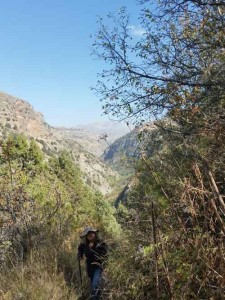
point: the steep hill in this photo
(127, 145)
(122, 154)
(18, 116)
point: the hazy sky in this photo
(45, 49)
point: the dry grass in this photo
(37, 279)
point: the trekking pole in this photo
(78, 258)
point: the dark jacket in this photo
(95, 256)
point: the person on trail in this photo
(95, 251)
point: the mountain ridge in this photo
(18, 116)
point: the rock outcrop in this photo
(128, 148)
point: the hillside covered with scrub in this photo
(43, 207)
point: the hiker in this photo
(95, 251)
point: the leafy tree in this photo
(34, 153)
(175, 211)
(178, 59)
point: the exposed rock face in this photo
(127, 146)
(130, 145)
(17, 115)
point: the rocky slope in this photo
(122, 154)
(18, 116)
(127, 145)
(88, 140)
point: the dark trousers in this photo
(95, 276)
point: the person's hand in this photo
(79, 256)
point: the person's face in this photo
(90, 236)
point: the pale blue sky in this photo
(45, 49)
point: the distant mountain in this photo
(113, 130)
(89, 140)
(18, 116)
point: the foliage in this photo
(174, 215)
(174, 225)
(43, 206)
(179, 54)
